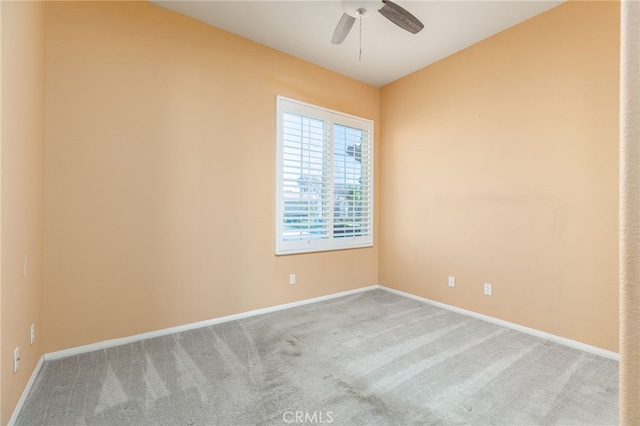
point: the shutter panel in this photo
(304, 178)
(352, 216)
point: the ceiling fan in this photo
(388, 9)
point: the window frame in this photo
(330, 118)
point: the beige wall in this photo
(160, 173)
(23, 122)
(500, 165)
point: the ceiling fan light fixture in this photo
(359, 9)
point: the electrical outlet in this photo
(452, 281)
(487, 289)
(33, 333)
(292, 279)
(16, 359)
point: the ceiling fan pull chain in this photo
(360, 55)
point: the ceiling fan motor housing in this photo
(355, 8)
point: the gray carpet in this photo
(373, 358)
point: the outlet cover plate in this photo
(488, 289)
(16, 359)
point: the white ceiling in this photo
(304, 29)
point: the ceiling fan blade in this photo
(343, 28)
(401, 17)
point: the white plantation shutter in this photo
(305, 194)
(324, 179)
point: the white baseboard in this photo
(25, 393)
(165, 331)
(561, 340)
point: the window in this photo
(324, 179)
